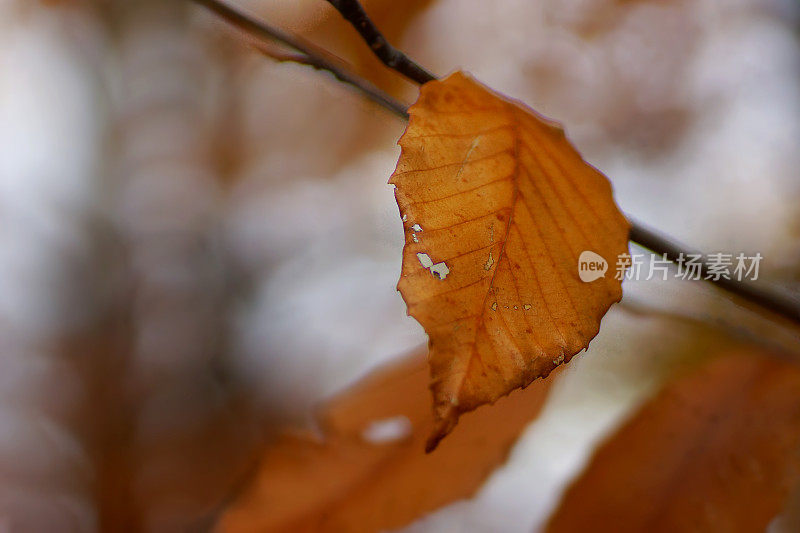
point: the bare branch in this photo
(765, 297)
(390, 56)
(310, 54)
(768, 298)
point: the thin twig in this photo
(311, 54)
(393, 58)
(767, 298)
(282, 55)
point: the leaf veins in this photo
(495, 195)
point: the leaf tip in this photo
(437, 435)
(445, 422)
(432, 443)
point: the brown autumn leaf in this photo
(497, 208)
(369, 472)
(716, 450)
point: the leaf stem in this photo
(765, 297)
(390, 56)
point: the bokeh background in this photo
(198, 244)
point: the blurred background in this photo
(198, 244)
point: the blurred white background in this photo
(187, 227)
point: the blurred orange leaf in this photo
(369, 472)
(716, 450)
(497, 208)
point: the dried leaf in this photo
(497, 208)
(716, 450)
(369, 473)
